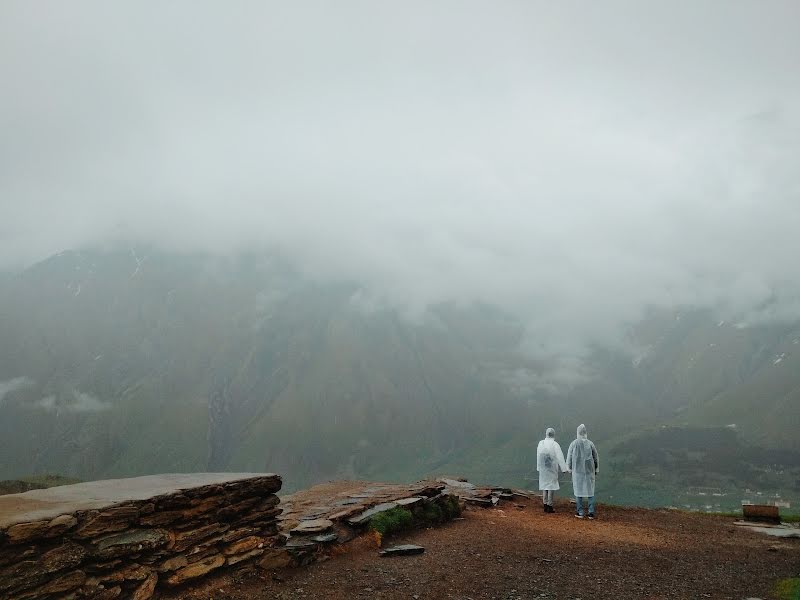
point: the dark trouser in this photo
(579, 504)
(548, 496)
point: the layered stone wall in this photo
(126, 538)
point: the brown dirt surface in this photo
(510, 553)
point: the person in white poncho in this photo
(583, 463)
(549, 459)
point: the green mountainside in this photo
(125, 362)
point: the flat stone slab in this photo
(313, 526)
(403, 550)
(368, 514)
(300, 542)
(781, 531)
(409, 501)
(480, 501)
(38, 505)
(454, 483)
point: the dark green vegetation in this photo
(788, 589)
(427, 514)
(126, 362)
(36, 482)
(392, 521)
(703, 468)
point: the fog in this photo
(571, 162)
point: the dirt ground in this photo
(511, 553)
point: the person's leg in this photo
(552, 500)
(591, 505)
(579, 506)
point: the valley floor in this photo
(521, 553)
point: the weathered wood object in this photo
(765, 513)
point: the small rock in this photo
(403, 550)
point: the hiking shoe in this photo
(577, 516)
(591, 516)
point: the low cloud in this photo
(12, 385)
(574, 165)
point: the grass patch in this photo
(788, 589)
(790, 518)
(391, 521)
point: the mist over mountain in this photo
(128, 360)
(557, 162)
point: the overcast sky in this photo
(570, 161)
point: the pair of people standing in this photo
(582, 462)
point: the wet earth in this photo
(517, 551)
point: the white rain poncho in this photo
(582, 459)
(549, 458)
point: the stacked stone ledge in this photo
(128, 549)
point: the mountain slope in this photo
(131, 361)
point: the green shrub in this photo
(452, 507)
(431, 514)
(391, 521)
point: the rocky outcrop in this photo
(127, 538)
